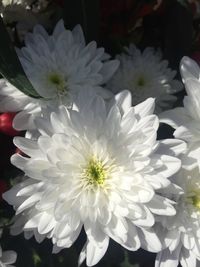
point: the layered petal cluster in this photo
(58, 66)
(186, 119)
(15, 2)
(99, 168)
(146, 74)
(181, 233)
(7, 258)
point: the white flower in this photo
(186, 119)
(11, 5)
(99, 168)
(58, 66)
(20, 16)
(145, 74)
(182, 232)
(7, 258)
(14, 2)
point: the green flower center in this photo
(194, 198)
(196, 201)
(95, 172)
(58, 81)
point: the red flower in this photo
(6, 120)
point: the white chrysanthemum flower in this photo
(7, 258)
(182, 232)
(145, 74)
(58, 66)
(6, 3)
(186, 119)
(20, 16)
(97, 168)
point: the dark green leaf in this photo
(10, 66)
(126, 262)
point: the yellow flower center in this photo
(196, 201)
(95, 172)
(194, 198)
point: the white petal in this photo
(19, 161)
(171, 165)
(171, 147)
(9, 257)
(23, 121)
(147, 221)
(161, 206)
(33, 222)
(95, 253)
(78, 35)
(82, 255)
(133, 242)
(145, 108)
(109, 69)
(175, 117)
(192, 155)
(187, 258)
(28, 146)
(149, 240)
(46, 223)
(28, 202)
(62, 230)
(193, 105)
(189, 69)
(166, 258)
(123, 100)
(117, 229)
(94, 232)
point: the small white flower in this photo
(181, 233)
(20, 16)
(14, 2)
(186, 119)
(145, 74)
(59, 66)
(99, 168)
(7, 258)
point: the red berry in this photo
(6, 120)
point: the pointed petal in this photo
(189, 69)
(95, 253)
(166, 258)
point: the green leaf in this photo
(36, 258)
(10, 66)
(126, 262)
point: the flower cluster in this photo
(181, 234)
(91, 159)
